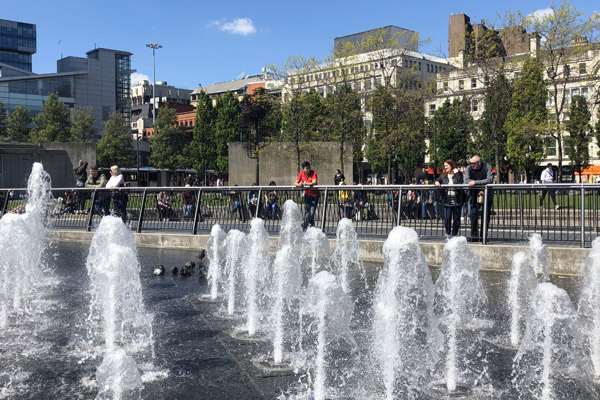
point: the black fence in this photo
(561, 213)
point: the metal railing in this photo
(514, 211)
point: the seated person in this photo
(189, 202)
(97, 181)
(361, 204)
(119, 198)
(236, 204)
(345, 201)
(252, 201)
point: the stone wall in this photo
(278, 163)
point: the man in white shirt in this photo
(546, 178)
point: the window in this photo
(461, 85)
(368, 84)
(446, 88)
(584, 92)
(474, 105)
(567, 70)
(567, 95)
(582, 69)
(551, 148)
(486, 80)
(419, 65)
(431, 108)
(378, 81)
(566, 144)
(321, 91)
(550, 98)
(473, 83)
(575, 92)
(357, 86)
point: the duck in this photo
(190, 265)
(159, 270)
(174, 270)
(185, 272)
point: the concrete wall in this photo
(278, 163)
(561, 260)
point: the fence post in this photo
(91, 217)
(324, 210)
(141, 217)
(399, 212)
(594, 210)
(258, 203)
(485, 215)
(582, 217)
(522, 211)
(5, 205)
(197, 212)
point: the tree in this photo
(454, 126)
(82, 127)
(562, 33)
(256, 116)
(169, 142)
(527, 120)
(344, 122)
(17, 125)
(227, 128)
(296, 109)
(115, 147)
(491, 139)
(580, 133)
(54, 122)
(202, 149)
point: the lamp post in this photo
(137, 158)
(154, 47)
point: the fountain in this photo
(538, 257)
(346, 261)
(315, 250)
(290, 231)
(118, 323)
(236, 255)
(404, 328)
(331, 310)
(22, 243)
(589, 306)
(521, 286)
(460, 303)
(257, 275)
(552, 362)
(216, 252)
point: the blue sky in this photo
(205, 42)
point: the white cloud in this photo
(239, 26)
(136, 77)
(542, 13)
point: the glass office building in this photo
(17, 44)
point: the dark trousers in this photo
(476, 212)
(452, 219)
(311, 207)
(552, 196)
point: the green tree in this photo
(597, 131)
(17, 125)
(54, 122)
(527, 120)
(169, 142)
(454, 126)
(344, 123)
(202, 149)
(227, 128)
(116, 146)
(490, 141)
(82, 127)
(558, 31)
(580, 133)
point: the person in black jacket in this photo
(452, 198)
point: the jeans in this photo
(311, 207)
(424, 209)
(476, 211)
(187, 210)
(452, 219)
(270, 209)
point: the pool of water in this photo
(196, 356)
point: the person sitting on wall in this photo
(189, 201)
(163, 203)
(345, 201)
(253, 202)
(119, 198)
(96, 180)
(271, 202)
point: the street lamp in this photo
(154, 47)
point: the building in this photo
(17, 44)
(468, 81)
(100, 81)
(239, 87)
(142, 94)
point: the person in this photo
(345, 202)
(307, 178)
(96, 180)
(80, 173)
(547, 178)
(189, 201)
(338, 177)
(163, 203)
(479, 173)
(361, 204)
(119, 199)
(253, 202)
(393, 200)
(271, 202)
(69, 202)
(429, 198)
(236, 204)
(452, 198)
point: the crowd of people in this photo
(447, 200)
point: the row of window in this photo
(65, 87)
(22, 29)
